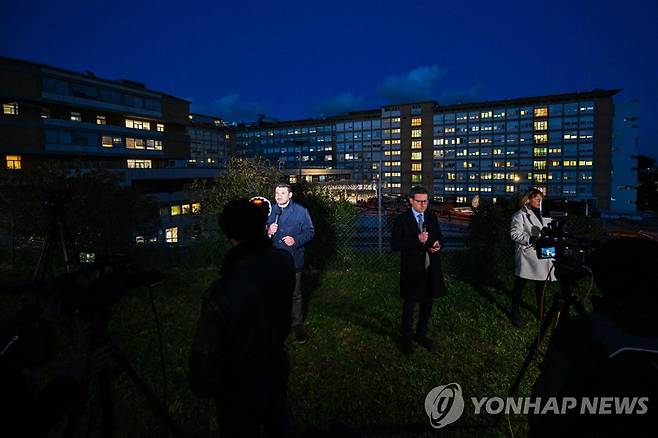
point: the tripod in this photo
(565, 299)
(94, 308)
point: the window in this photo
(186, 209)
(540, 138)
(416, 167)
(196, 207)
(416, 144)
(101, 120)
(416, 121)
(171, 235)
(585, 163)
(416, 178)
(160, 127)
(134, 143)
(76, 117)
(486, 114)
(510, 189)
(13, 162)
(541, 112)
(117, 141)
(175, 210)
(139, 164)
(416, 155)
(418, 132)
(541, 125)
(137, 124)
(106, 141)
(10, 108)
(539, 164)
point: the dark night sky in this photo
(300, 59)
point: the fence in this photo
(365, 237)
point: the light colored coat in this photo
(526, 264)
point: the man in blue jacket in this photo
(290, 228)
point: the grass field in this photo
(351, 375)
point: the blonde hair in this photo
(531, 193)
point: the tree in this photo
(97, 211)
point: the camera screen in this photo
(548, 252)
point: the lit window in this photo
(569, 163)
(101, 120)
(541, 125)
(585, 163)
(10, 108)
(196, 207)
(486, 114)
(137, 124)
(541, 138)
(117, 141)
(171, 234)
(416, 121)
(160, 127)
(416, 167)
(175, 210)
(13, 162)
(416, 155)
(416, 144)
(139, 240)
(541, 112)
(416, 178)
(539, 152)
(139, 164)
(76, 117)
(415, 133)
(186, 209)
(510, 189)
(106, 141)
(539, 164)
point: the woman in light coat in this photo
(525, 229)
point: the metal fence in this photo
(365, 237)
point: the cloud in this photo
(230, 108)
(449, 97)
(341, 103)
(419, 84)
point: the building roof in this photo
(88, 75)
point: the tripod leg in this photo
(156, 405)
(546, 323)
(107, 409)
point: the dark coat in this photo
(417, 283)
(294, 221)
(245, 320)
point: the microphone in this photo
(277, 215)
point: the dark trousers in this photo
(297, 308)
(259, 402)
(424, 313)
(519, 284)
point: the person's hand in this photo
(422, 237)
(436, 246)
(289, 240)
(273, 229)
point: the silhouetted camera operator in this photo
(610, 352)
(238, 355)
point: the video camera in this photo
(570, 252)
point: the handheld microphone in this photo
(277, 215)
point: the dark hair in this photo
(284, 186)
(241, 220)
(417, 190)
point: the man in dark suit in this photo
(417, 235)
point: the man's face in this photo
(282, 195)
(419, 202)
